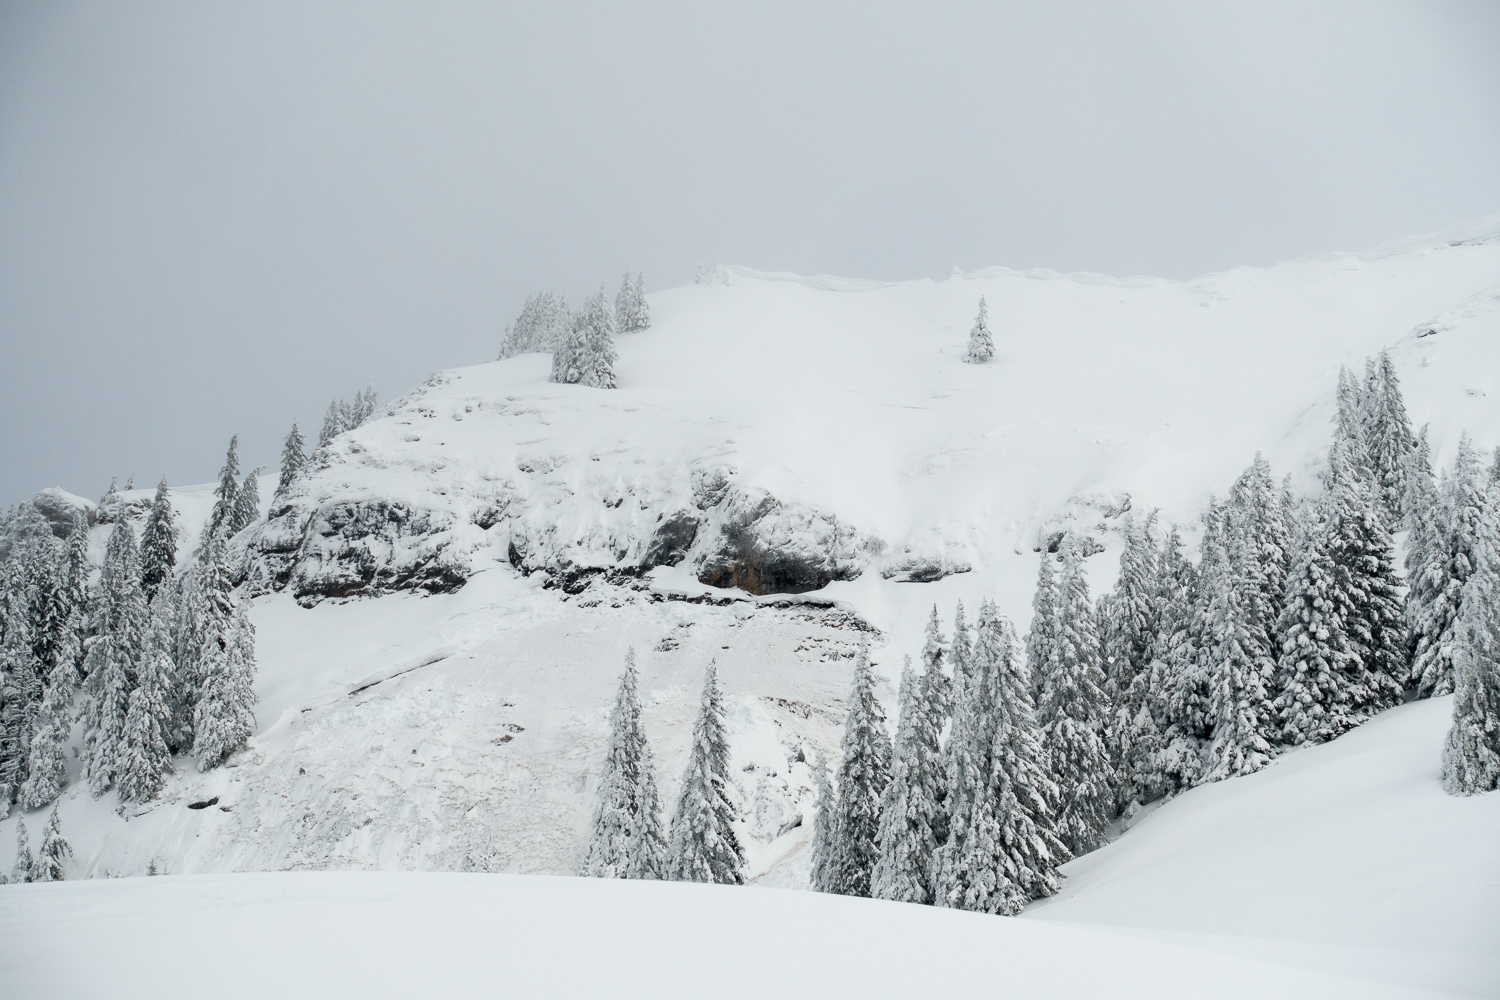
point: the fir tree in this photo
(335, 422)
(1241, 677)
(1072, 713)
(76, 564)
(222, 717)
(25, 865)
(824, 815)
(21, 692)
(158, 542)
(363, 408)
(1009, 853)
(863, 774)
(704, 847)
(48, 865)
(1317, 655)
(46, 771)
(627, 840)
(1349, 424)
(293, 458)
(981, 344)
(909, 810)
(226, 493)
(146, 759)
(1388, 439)
(189, 634)
(542, 325)
(594, 339)
(631, 312)
(1436, 591)
(246, 504)
(119, 638)
(957, 784)
(1042, 636)
(1471, 751)
(570, 353)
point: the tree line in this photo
(582, 341)
(1009, 758)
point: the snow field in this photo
(427, 934)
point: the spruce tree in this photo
(48, 864)
(1436, 592)
(704, 847)
(25, 865)
(570, 352)
(1317, 655)
(159, 542)
(597, 323)
(824, 814)
(76, 571)
(910, 806)
(146, 759)
(1163, 754)
(193, 626)
(956, 751)
(246, 504)
(541, 326)
(981, 344)
(21, 693)
(1349, 424)
(1042, 635)
(627, 841)
(1242, 672)
(863, 774)
(119, 640)
(1009, 852)
(46, 771)
(363, 408)
(1471, 751)
(335, 422)
(293, 458)
(1388, 439)
(222, 717)
(631, 312)
(226, 493)
(1072, 713)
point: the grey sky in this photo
(213, 217)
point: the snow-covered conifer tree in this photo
(363, 407)
(25, 864)
(335, 422)
(627, 841)
(1437, 585)
(1388, 439)
(981, 344)
(146, 759)
(542, 324)
(632, 314)
(1242, 671)
(193, 625)
(704, 846)
(222, 717)
(293, 458)
(21, 694)
(226, 493)
(1072, 712)
(1349, 429)
(910, 808)
(1009, 853)
(76, 565)
(824, 813)
(246, 503)
(159, 542)
(595, 324)
(1042, 635)
(48, 864)
(1471, 751)
(46, 770)
(119, 640)
(863, 774)
(1317, 654)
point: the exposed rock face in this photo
(757, 543)
(345, 549)
(57, 506)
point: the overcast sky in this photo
(213, 217)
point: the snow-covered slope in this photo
(430, 935)
(508, 540)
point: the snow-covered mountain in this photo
(790, 467)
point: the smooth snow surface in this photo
(1348, 856)
(441, 935)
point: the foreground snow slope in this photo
(429, 935)
(1351, 850)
